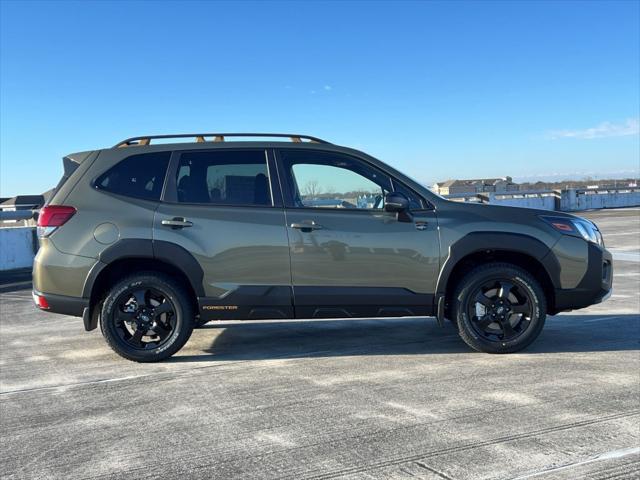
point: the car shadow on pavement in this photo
(252, 340)
(15, 280)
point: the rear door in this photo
(348, 256)
(224, 207)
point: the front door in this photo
(350, 258)
(224, 208)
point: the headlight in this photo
(588, 231)
(578, 227)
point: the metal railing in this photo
(17, 218)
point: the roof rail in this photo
(217, 137)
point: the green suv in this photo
(150, 239)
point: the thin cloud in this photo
(604, 130)
(327, 87)
(602, 174)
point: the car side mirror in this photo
(398, 203)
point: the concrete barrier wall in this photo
(542, 203)
(566, 200)
(548, 202)
(17, 247)
(575, 200)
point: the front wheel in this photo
(499, 308)
(147, 317)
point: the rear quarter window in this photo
(138, 176)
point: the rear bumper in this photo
(62, 304)
(59, 278)
(58, 273)
(594, 287)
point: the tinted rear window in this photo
(139, 176)
(224, 178)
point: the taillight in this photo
(52, 217)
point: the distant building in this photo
(453, 187)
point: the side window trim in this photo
(274, 179)
(170, 193)
(170, 178)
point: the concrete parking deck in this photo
(351, 399)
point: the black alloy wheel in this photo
(499, 308)
(147, 317)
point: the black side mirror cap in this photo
(398, 203)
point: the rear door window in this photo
(224, 177)
(139, 176)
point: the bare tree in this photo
(312, 189)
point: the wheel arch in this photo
(486, 247)
(131, 255)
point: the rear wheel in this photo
(499, 308)
(147, 317)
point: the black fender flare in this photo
(504, 241)
(167, 252)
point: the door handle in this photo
(421, 225)
(306, 226)
(177, 222)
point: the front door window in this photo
(333, 181)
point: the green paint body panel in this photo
(364, 249)
(59, 273)
(235, 246)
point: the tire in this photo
(499, 308)
(150, 326)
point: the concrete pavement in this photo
(356, 399)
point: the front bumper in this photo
(594, 287)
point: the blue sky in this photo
(439, 90)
